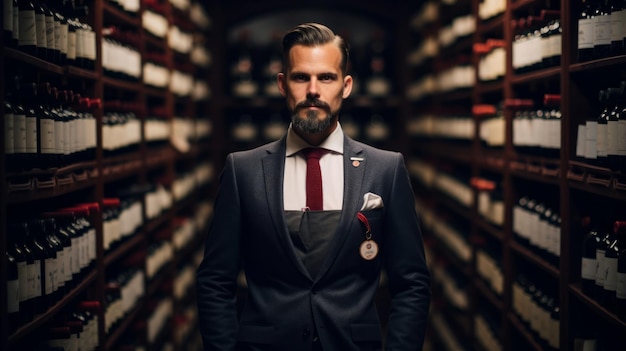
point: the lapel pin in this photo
(356, 161)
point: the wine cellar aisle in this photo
(118, 115)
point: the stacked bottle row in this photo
(601, 29)
(537, 226)
(537, 304)
(603, 264)
(537, 130)
(601, 141)
(47, 127)
(537, 42)
(76, 329)
(255, 62)
(50, 30)
(48, 256)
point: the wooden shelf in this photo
(531, 257)
(41, 319)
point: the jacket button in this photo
(306, 332)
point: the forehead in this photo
(315, 59)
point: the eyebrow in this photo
(296, 73)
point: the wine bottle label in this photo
(620, 287)
(586, 29)
(83, 251)
(601, 140)
(31, 134)
(554, 333)
(69, 263)
(600, 268)
(49, 273)
(616, 26)
(28, 32)
(49, 25)
(588, 268)
(13, 295)
(621, 136)
(16, 23)
(555, 45)
(75, 255)
(60, 277)
(602, 30)
(9, 133)
(612, 138)
(591, 133)
(57, 35)
(63, 37)
(7, 12)
(92, 245)
(71, 45)
(59, 137)
(48, 143)
(610, 276)
(22, 274)
(623, 21)
(34, 279)
(40, 28)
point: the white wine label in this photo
(588, 268)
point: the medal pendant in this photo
(369, 249)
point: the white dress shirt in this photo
(331, 164)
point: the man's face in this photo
(314, 87)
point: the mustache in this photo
(312, 103)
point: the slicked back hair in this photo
(314, 34)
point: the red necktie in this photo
(314, 197)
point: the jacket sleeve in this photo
(217, 275)
(406, 268)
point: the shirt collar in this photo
(334, 142)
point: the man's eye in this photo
(300, 77)
(326, 77)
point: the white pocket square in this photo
(371, 201)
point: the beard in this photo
(314, 121)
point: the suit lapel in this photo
(353, 175)
(273, 173)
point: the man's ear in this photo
(347, 86)
(280, 80)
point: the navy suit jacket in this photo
(284, 305)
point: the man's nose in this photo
(313, 89)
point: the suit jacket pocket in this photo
(365, 332)
(256, 334)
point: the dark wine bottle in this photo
(41, 254)
(620, 288)
(14, 259)
(586, 28)
(611, 256)
(617, 27)
(27, 41)
(606, 239)
(588, 257)
(602, 129)
(602, 32)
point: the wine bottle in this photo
(603, 244)
(28, 271)
(602, 30)
(620, 287)
(602, 129)
(14, 263)
(613, 119)
(40, 254)
(27, 41)
(611, 256)
(7, 14)
(588, 257)
(40, 28)
(617, 27)
(586, 29)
